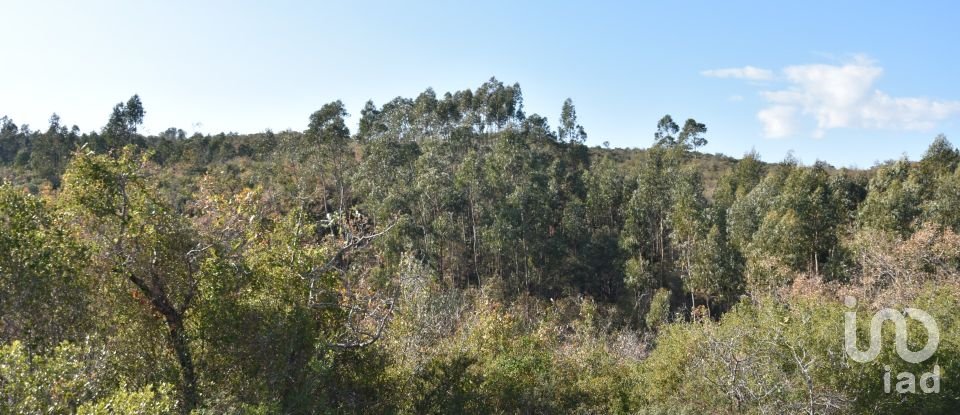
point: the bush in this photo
(659, 313)
(147, 401)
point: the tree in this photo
(691, 136)
(799, 230)
(715, 274)
(686, 218)
(569, 130)
(496, 104)
(10, 140)
(327, 125)
(173, 133)
(893, 199)
(645, 238)
(659, 313)
(666, 131)
(518, 228)
(933, 171)
(329, 135)
(438, 213)
(939, 159)
(943, 206)
(734, 185)
(122, 126)
(370, 122)
(603, 214)
(748, 210)
(51, 150)
(143, 242)
(647, 227)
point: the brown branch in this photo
(371, 337)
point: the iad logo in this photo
(929, 382)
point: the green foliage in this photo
(456, 255)
(122, 127)
(41, 384)
(893, 199)
(58, 380)
(42, 281)
(943, 207)
(70, 379)
(689, 138)
(148, 401)
(738, 182)
(659, 313)
(790, 223)
(445, 386)
(715, 272)
(645, 235)
(783, 358)
(569, 130)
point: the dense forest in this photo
(457, 255)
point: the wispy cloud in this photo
(747, 72)
(845, 96)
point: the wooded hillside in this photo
(457, 255)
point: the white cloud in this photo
(845, 96)
(746, 72)
(778, 121)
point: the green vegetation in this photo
(456, 255)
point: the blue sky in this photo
(847, 82)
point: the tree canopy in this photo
(455, 254)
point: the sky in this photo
(851, 83)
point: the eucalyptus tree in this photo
(691, 136)
(893, 199)
(937, 174)
(645, 236)
(849, 189)
(808, 192)
(752, 203)
(470, 182)
(498, 104)
(371, 123)
(10, 140)
(425, 119)
(669, 134)
(521, 214)
(646, 232)
(603, 218)
(940, 159)
(667, 130)
(121, 129)
(794, 229)
(715, 270)
(569, 160)
(943, 206)
(329, 136)
(438, 211)
(51, 150)
(687, 221)
(569, 130)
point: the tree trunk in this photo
(177, 337)
(693, 304)
(188, 378)
(816, 263)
